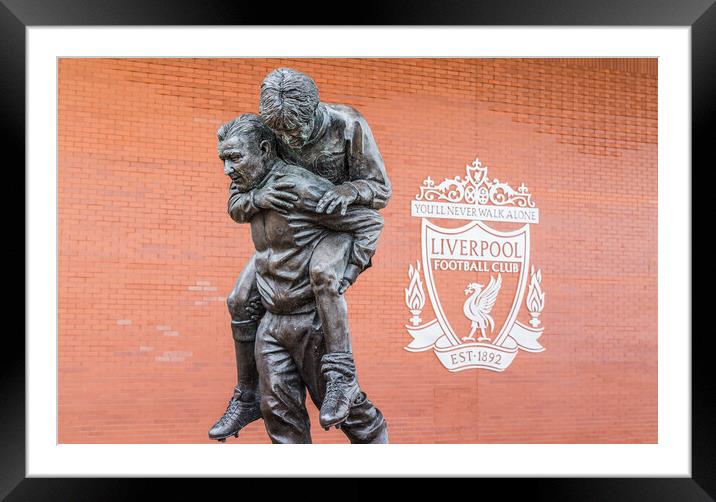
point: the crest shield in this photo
(476, 276)
(454, 258)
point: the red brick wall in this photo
(147, 252)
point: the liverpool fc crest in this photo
(477, 277)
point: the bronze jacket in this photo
(341, 149)
(285, 242)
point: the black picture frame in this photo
(700, 15)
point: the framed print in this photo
(504, 224)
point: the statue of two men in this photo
(309, 179)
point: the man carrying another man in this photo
(289, 341)
(334, 142)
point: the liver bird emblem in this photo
(478, 306)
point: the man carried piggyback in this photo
(335, 142)
(292, 352)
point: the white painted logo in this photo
(475, 275)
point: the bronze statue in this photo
(329, 161)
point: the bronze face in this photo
(296, 137)
(245, 162)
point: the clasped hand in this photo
(341, 195)
(276, 196)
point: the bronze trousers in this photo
(288, 358)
